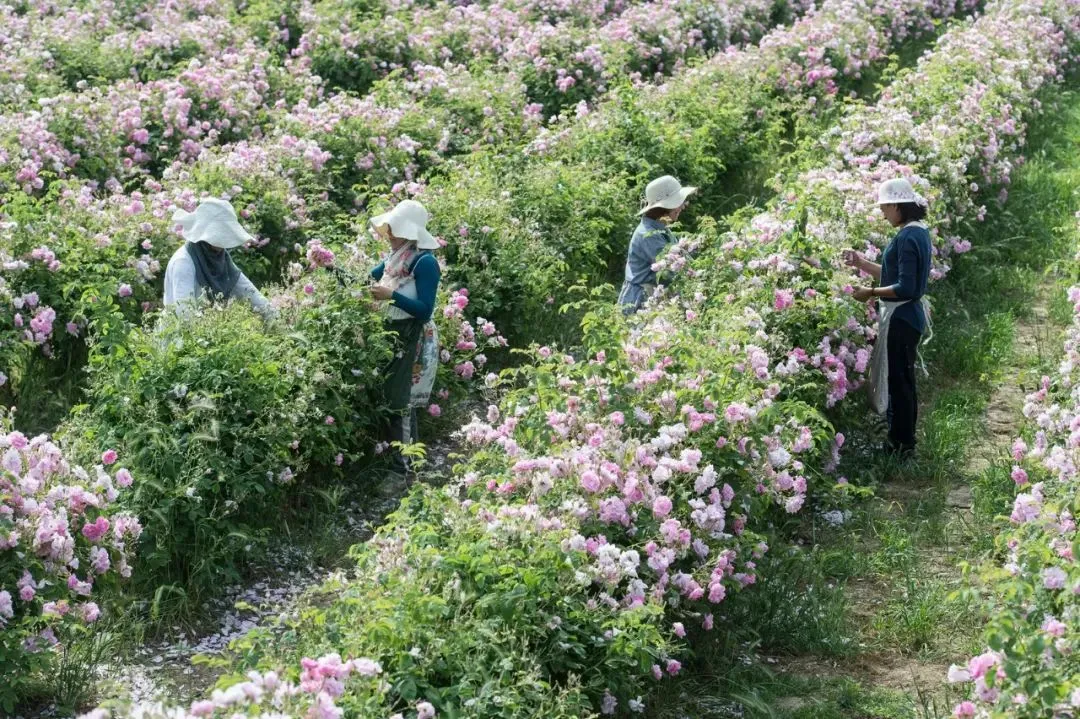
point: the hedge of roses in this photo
(62, 540)
(128, 121)
(226, 418)
(565, 55)
(1029, 667)
(527, 228)
(52, 47)
(610, 505)
(913, 131)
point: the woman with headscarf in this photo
(409, 280)
(203, 267)
(903, 319)
(665, 199)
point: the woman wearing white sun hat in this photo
(409, 279)
(665, 199)
(203, 267)
(904, 318)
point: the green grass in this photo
(948, 431)
(794, 607)
(922, 618)
(761, 692)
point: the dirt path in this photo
(164, 669)
(894, 669)
(1031, 341)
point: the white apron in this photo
(879, 358)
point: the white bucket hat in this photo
(665, 192)
(213, 222)
(899, 191)
(409, 222)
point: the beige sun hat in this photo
(408, 220)
(897, 192)
(665, 192)
(213, 222)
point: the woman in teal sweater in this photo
(409, 280)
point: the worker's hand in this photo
(862, 294)
(381, 292)
(854, 258)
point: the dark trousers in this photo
(397, 386)
(903, 401)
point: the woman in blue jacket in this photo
(902, 277)
(409, 280)
(665, 199)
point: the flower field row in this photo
(159, 106)
(75, 249)
(712, 127)
(146, 120)
(223, 418)
(1028, 668)
(567, 51)
(53, 47)
(562, 54)
(220, 423)
(791, 249)
(612, 498)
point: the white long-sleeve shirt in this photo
(181, 288)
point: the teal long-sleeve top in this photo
(905, 266)
(426, 273)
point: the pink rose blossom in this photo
(964, 710)
(662, 506)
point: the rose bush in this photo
(52, 47)
(62, 542)
(1028, 667)
(314, 693)
(564, 55)
(228, 417)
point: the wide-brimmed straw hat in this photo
(667, 193)
(213, 222)
(898, 192)
(408, 221)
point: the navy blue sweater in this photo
(905, 267)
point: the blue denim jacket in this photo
(648, 241)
